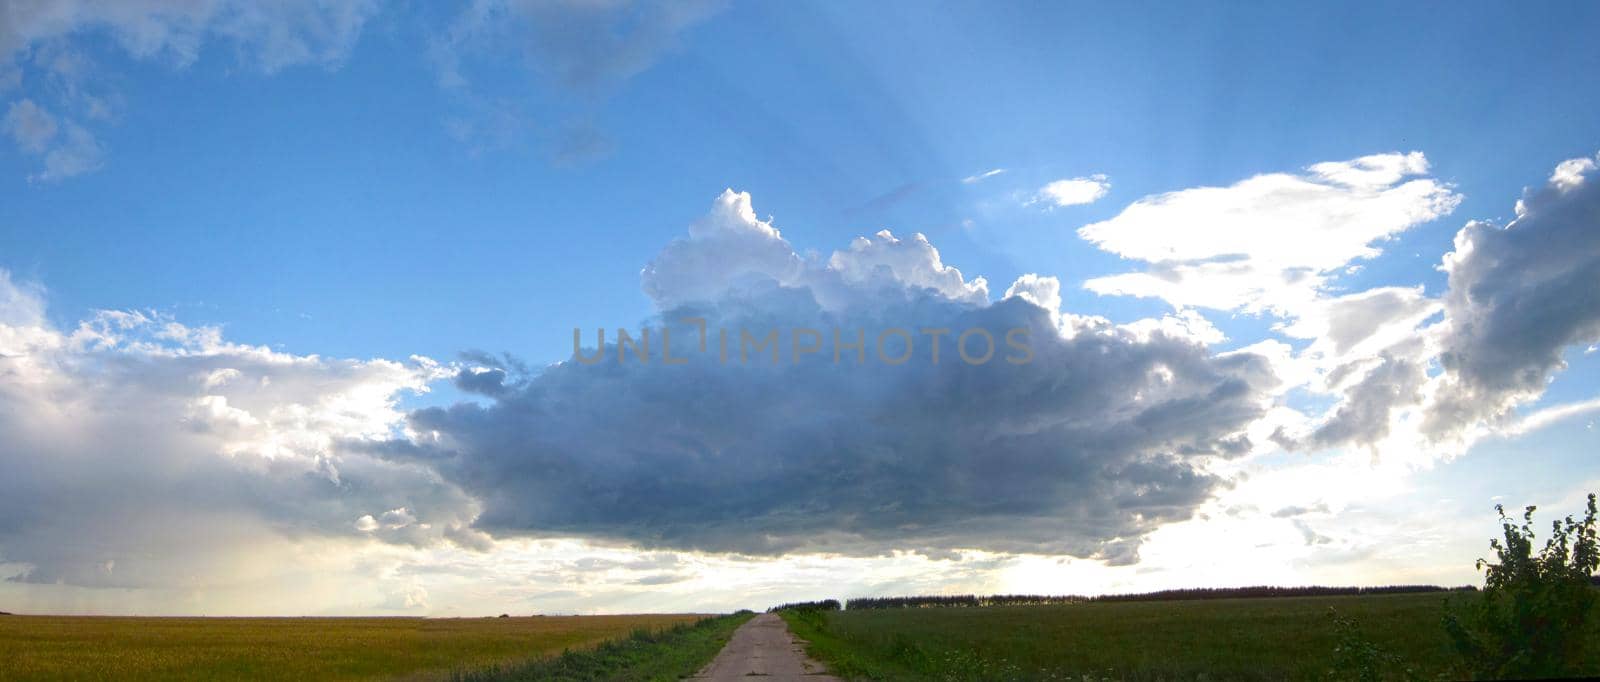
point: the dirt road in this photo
(763, 647)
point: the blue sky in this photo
(380, 181)
(244, 198)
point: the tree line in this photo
(823, 605)
(976, 600)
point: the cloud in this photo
(66, 149)
(36, 56)
(1518, 297)
(1362, 323)
(1551, 415)
(30, 126)
(727, 247)
(1073, 191)
(884, 260)
(596, 45)
(975, 179)
(1267, 243)
(188, 460)
(1102, 437)
(1297, 510)
(1365, 413)
(584, 50)
(267, 36)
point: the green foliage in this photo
(1534, 614)
(1208, 639)
(661, 654)
(1356, 657)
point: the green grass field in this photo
(662, 655)
(1226, 639)
(84, 648)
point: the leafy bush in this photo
(1532, 616)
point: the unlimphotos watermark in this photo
(891, 346)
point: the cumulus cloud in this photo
(1267, 243)
(727, 247)
(883, 260)
(181, 458)
(1519, 296)
(1073, 191)
(1101, 438)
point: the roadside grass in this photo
(1290, 638)
(111, 648)
(665, 654)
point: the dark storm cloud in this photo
(1083, 450)
(1519, 296)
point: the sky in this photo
(296, 300)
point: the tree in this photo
(1531, 618)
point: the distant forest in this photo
(973, 600)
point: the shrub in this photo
(1531, 618)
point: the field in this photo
(664, 655)
(1249, 639)
(58, 647)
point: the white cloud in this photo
(1570, 173)
(1551, 415)
(1362, 323)
(730, 249)
(175, 453)
(1073, 191)
(1266, 243)
(728, 246)
(1041, 290)
(1186, 324)
(911, 263)
(1518, 297)
(974, 179)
